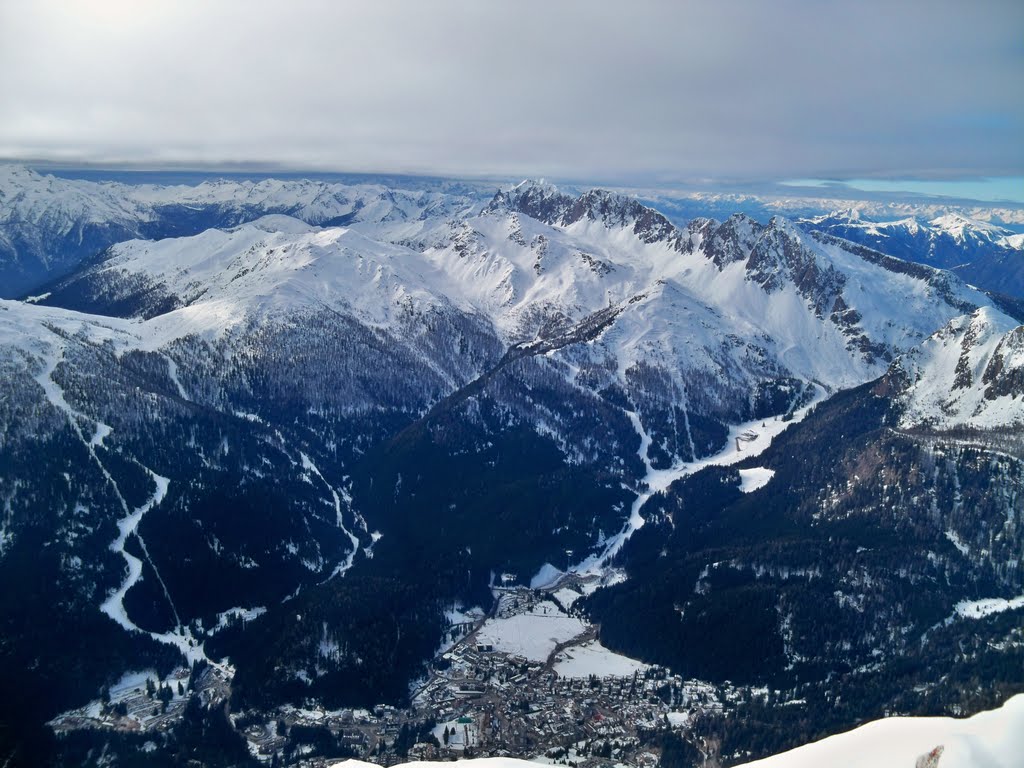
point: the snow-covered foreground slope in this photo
(992, 739)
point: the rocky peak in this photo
(546, 203)
(780, 256)
(730, 241)
(1004, 373)
(536, 199)
(614, 210)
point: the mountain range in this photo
(979, 252)
(354, 407)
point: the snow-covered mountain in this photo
(49, 224)
(980, 252)
(691, 329)
(734, 319)
(940, 235)
(353, 406)
(684, 205)
(970, 374)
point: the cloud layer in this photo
(668, 90)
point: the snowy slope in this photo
(278, 264)
(730, 321)
(992, 739)
(963, 229)
(535, 258)
(1013, 241)
(823, 312)
(968, 374)
(47, 202)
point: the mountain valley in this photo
(271, 445)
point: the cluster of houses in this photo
(143, 703)
(477, 700)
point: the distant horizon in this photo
(990, 190)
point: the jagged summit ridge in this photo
(548, 204)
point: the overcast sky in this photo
(753, 89)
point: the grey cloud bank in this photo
(655, 90)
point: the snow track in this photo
(342, 567)
(127, 526)
(744, 440)
(181, 637)
(113, 606)
(172, 372)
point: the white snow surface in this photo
(754, 478)
(1013, 241)
(546, 576)
(113, 606)
(567, 596)
(181, 637)
(959, 227)
(979, 609)
(993, 739)
(594, 659)
(532, 635)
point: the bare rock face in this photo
(1004, 374)
(780, 257)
